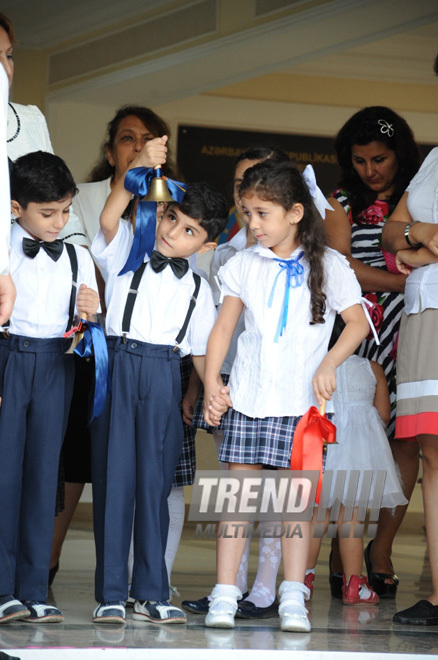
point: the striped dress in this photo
(366, 247)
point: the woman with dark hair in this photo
(126, 134)
(378, 157)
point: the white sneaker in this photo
(293, 616)
(221, 612)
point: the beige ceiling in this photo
(98, 51)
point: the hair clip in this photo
(385, 127)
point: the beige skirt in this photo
(417, 375)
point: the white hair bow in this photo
(318, 198)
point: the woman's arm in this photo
(370, 279)
(217, 348)
(153, 153)
(407, 259)
(393, 235)
(355, 331)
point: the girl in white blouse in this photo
(290, 286)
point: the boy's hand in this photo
(87, 301)
(153, 153)
(7, 297)
(191, 397)
(324, 382)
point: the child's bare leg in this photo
(242, 573)
(351, 549)
(315, 543)
(230, 550)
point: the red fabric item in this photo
(312, 431)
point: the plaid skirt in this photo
(256, 441)
(198, 415)
(186, 468)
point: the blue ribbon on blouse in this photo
(137, 181)
(92, 344)
(294, 278)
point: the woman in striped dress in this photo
(378, 157)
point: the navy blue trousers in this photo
(136, 444)
(36, 382)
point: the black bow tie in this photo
(178, 265)
(53, 248)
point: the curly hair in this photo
(157, 126)
(282, 183)
(363, 128)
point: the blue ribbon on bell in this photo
(92, 344)
(294, 278)
(137, 181)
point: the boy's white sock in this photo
(176, 522)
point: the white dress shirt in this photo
(421, 290)
(5, 200)
(43, 288)
(162, 300)
(88, 205)
(274, 379)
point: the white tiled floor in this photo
(335, 628)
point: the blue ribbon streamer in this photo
(294, 279)
(137, 181)
(94, 344)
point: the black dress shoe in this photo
(377, 581)
(199, 606)
(422, 613)
(247, 610)
(52, 572)
(336, 581)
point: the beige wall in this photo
(77, 129)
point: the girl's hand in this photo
(402, 261)
(153, 153)
(216, 403)
(324, 382)
(87, 301)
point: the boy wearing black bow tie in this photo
(36, 377)
(155, 316)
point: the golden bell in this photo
(158, 189)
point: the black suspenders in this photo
(74, 285)
(132, 297)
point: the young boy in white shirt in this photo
(155, 316)
(36, 377)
